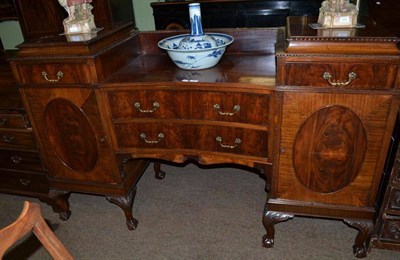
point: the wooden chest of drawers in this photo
(387, 229)
(21, 167)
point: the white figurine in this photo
(337, 14)
(80, 18)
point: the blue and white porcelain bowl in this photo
(195, 58)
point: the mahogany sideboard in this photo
(313, 111)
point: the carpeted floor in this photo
(191, 214)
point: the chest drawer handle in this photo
(3, 121)
(394, 230)
(236, 109)
(327, 76)
(219, 140)
(156, 105)
(16, 159)
(24, 182)
(59, 76)
(160, 137)
(8, 138)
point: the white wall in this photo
(10, 34)
(144, 14)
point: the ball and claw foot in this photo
(359, 252)
(158, 173)
(132, 224)
(267, 242)
(365, 228)
(126, 204)
(65, 215)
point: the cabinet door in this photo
(332, 147)
(71, 134)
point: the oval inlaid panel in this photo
(71, 135)
(329, 149)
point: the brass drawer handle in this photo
(156, 105)
(3, 121)
(327, 76)
(219, 140)
(8, 138)
(24, 182)
(160, 137)
(16, 159)
(236, 109)
(59, 76)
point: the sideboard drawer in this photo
(234, 140)
(16, 138)
(54, 73)
(224, 139)
(148, 104)
(12, 120)
(341, 75)
(152, 135)
(231, 107)
(20, 161)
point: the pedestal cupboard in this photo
(339, 94)
(66, 111)
(313, 114)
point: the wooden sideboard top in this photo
(126, 56)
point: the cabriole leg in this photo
(158, 173)
(270, 218)
(360, 247)
(60, 198)
(126, 204)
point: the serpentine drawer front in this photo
(191, 120)
(177, 135)
(125, 104)
(181, 104)
(341, 75)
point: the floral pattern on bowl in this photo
(194, 59)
